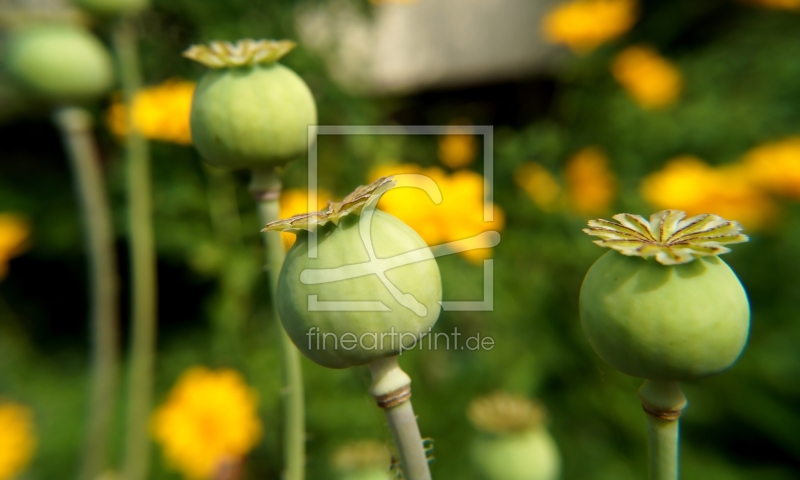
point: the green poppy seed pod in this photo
(113, 7)
(373, 289)
(364, 460)
(250, 111)
(671, 318)
(62, 63)
(514, 443)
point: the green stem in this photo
(266, 189)
(135, 464)
(391, 388)
(663, 402)
(232, 303)
(75, 125)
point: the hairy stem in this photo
(391, 388)
(663, 402)
(266, 189)
(136, 459)
(75, 125)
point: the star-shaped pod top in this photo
(352, 203)
(243, 53)
(669, 236)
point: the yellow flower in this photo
(539, 184)
(14, 233)
(776, 4)
(208, 420)
(591, 185)
(458, 217)
(775, 167)
(457, 150)
(17, 439)
(295, 202)
(687, 183)
(650, 79)
(586, 24)
(159, 113)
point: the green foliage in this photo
(742, 73)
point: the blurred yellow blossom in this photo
(652, 80)
(208, 421)
(17, 439)
(14, 233)
(159, 113)
(457, 150)
(586, 24)
(295, 202)
(591, 185)
(687, 183)
(776, 4)
(458, 217)
(540, 185)
(775, 167)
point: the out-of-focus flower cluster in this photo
(583, 25)
(208, 422)
(745, 190)
(14, 233)
(159, 113)
(295, 202)
(17, 439)
(458, 217)
(652, 80)
(589, 186)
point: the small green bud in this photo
(61, 63)
(514, 443)
(354, 263)
(364, 460)
(250, 111)
(671, 318)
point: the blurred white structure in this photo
(406, 47)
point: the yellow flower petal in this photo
(209, 418)
(586, 24)
(17, 439)
(159, 113)
(591, 185)
(775, 167)
(650, 79)
(14, 233)
(687, 183)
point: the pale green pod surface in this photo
(376, 473)
(527, 455)
(368, 333)
(252, 116)
(62, 63)
(676, 322)
(112, 7)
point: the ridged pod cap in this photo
(663, 306)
